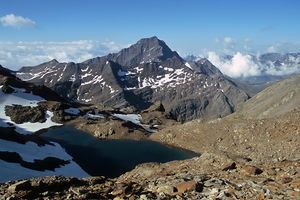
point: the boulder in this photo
(231, 166)
(189, 186)
(21, 114)
(167, 189)
(7, 89)
(21, 185)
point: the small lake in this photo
(111, 158)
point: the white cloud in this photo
(16, 21)
(284, 47)
(239, 66)
(17, 54)
(113, 46)
(228, 40)
(243, 65)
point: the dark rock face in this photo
(5, 72)
(7, 89)
(21, 114)
(9, 134)
(49, 163)
(146, 72)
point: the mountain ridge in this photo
(140, 75)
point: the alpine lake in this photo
(111, 158)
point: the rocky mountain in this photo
(276, 100)
(144, 73)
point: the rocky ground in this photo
(267, 140)
(209, 176)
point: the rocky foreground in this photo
(209, 176)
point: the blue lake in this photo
(111, 158)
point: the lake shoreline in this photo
(120, 154)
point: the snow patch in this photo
(129, 88)
(123, 73)
(129, 117)
(61, 75)
(47, 71)
(188, 65)
(94, 115)
(73, 78)
(138, 70)
(31, 151)
(86, 69)
(72, 111)
(19, 97)
(95, 80)
(85, 75)
(168, 69)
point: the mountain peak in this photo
(53, 61)
(144, 51)
(153, 42)
(150, 39)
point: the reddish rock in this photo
(252, 170)
(296, 183)
(296, 194)
(189, 186)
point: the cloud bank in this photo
(238, 66)
(17, 54)
(16, 21)
(243, 65)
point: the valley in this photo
(144, 123)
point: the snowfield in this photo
(30, 150)
(14, 171)
(19, 97)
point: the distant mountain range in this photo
(140, 75)
(270, 66)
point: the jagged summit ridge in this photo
(145, 50)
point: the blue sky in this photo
(190, 26)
